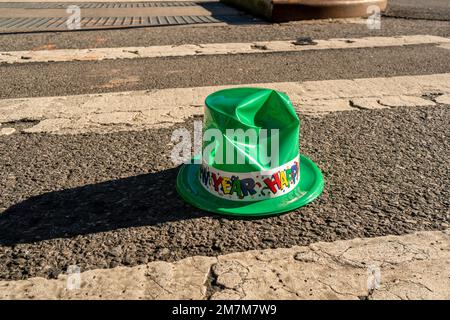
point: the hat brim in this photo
(309, 188)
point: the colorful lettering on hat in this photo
(251, 186)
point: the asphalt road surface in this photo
(140, 74)
(106, 200)
(218, 34)
(419, 9)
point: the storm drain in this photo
(8, 25)
(98, 5)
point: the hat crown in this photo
(254, 130)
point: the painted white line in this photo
(62, 55)
(390, 267)
(444, 46)
(140, 110)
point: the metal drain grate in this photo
(98, 5)
(8, 25)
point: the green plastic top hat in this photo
(250, 163)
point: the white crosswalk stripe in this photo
(336, 270)
(138, 110)
(63, 55)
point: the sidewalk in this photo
(415, 266)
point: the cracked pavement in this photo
(135, 111)
(337, 270)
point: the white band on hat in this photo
(251, 186)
